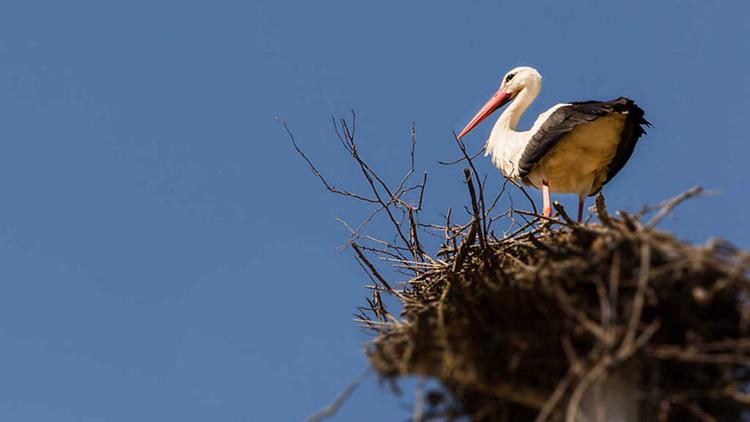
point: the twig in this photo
(554, 398)
(372, 269)
(464, 248)
(638, 299)
(668, 206)
(334, 407)
(317, 173)
(480, 186)
(601, 210)
(526, 194)
(418, 413)
(593, 374)
(561, 212)
(474, 205)
(462, 158)
(565, 304)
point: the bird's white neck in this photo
(508, 120)
(505, 144)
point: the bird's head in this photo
(513, 83)
(519, 78)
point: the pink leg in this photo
(581, 199)
(547, 210)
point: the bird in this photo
(575, 147)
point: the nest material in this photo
(527, 327)
(544, 323)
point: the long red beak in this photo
(498, 100)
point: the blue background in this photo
(164, 254)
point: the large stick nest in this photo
(550, 320)
(524, 327)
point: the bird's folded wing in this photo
(568, 117)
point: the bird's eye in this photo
(509, 77)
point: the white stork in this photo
(571, 148)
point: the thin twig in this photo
(668, 206)
(372, 268)
(334, 407)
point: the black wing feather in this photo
(631, 132)
(566, 118)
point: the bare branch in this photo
(667, 206)
(317, 173)
(372, 269)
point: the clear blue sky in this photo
(164, 255)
